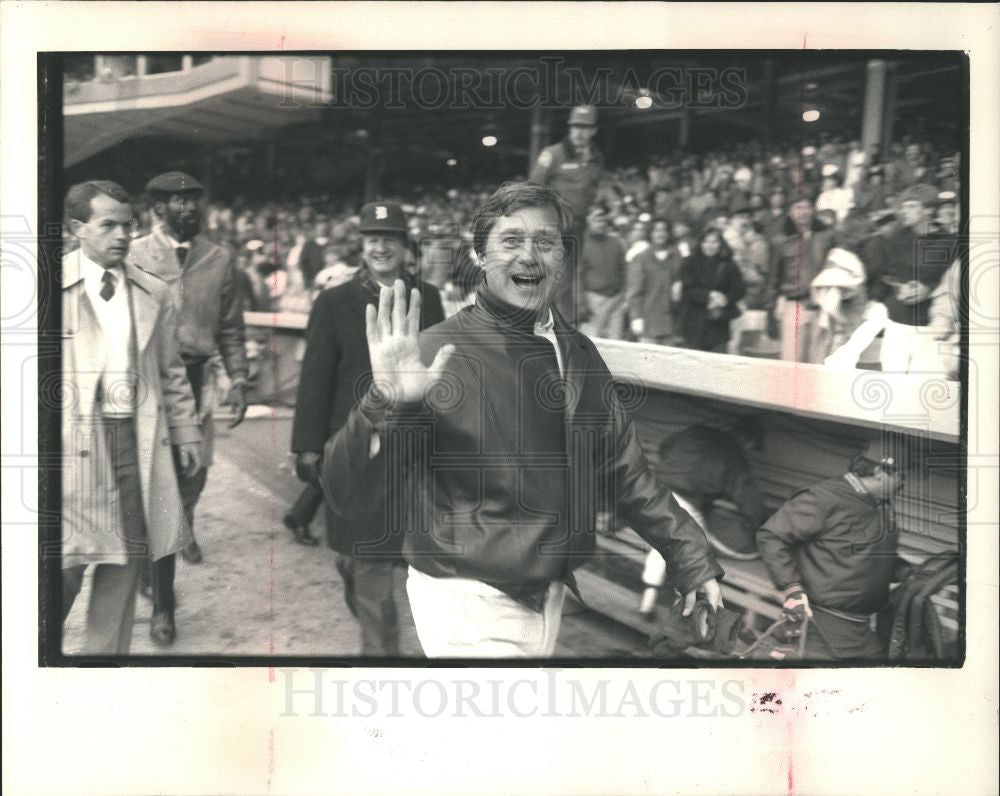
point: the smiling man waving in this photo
(500, 434)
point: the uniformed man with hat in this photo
(574, 168)
(831, 550)
(336, 372)
(206, 289)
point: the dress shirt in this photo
(546, 330)
(115, 317)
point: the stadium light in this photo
(810, 115)
(489, 140)
(451, 162)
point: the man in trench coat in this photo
(127, 413)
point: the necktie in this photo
(182, 253)
(108, 281)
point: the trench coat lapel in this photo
(199, 251)
(84, 348)
(144, 307)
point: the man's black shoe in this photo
(192, 553)
(301, 532)
(162, 629)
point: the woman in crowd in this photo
(711, 285)
(649, 281)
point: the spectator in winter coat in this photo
(651, 275)
(796, 259)
(711, 286)
(602, 272)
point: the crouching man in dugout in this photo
(497, 431)
(831, 552)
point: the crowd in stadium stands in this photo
(815, 254)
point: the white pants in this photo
(463, 618)
(654, 573)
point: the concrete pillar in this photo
(684, 131)
(889, 112)
(770, 100)
(874, 114)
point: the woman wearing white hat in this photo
(848, 321)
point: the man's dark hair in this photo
(77, 204)
(751, 429)
(511, 197)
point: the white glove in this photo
(717, 299)
(638, 326)
(676, 290)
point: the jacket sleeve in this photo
(232, 331)
(432, 312)
(353, 471)
(317, 379)
(693, 292)
(634, 286)
(735, 289)
(775, 269)
(178, 399)
(800, 519)
(652, 511)
(377, 457)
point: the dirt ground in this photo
(257, 592)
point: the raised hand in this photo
(392, 331)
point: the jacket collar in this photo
(72, 272)
(145, 307)
(197, 247)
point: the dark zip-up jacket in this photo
(498, 474)
(837, 542)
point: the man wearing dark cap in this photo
(573, 167)
(336, 372)
(205, 287)
(903, 268)
(831, 552)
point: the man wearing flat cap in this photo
(206, 290)
(903, 268)
(831, 551)
(574, 168)
(336, 372)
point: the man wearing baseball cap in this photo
(573, 167)
(904, 267)
(831, 551)
(210, 302)
(336, 371)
